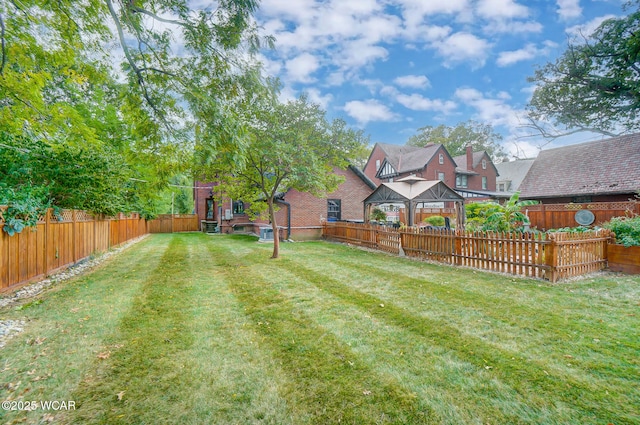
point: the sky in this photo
(389, 67)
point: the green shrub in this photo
(378, 215)
(627, 230)
(435, 220)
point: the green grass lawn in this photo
(196, 329)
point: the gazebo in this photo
(414, 190)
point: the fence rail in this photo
(553, 256)
(61, 241)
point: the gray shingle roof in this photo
(514, 172)
(408, 158)
(610, 166)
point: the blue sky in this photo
(390, 67)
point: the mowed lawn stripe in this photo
(71, 326)
(143, 367)
(575, 332)
(540, 387)
(454, 390)
(328, 384)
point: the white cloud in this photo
(587, 29)
(300, 68)
(417, 102)
(461, 47)
(316, 97)
(369, 110)
(530, 51)
(501, 9)
(414, 11)
(413, 81)
(569, 9)
(512, 27)
(494, 110)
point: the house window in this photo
(441, 159)
(440, 176)
(334, 210)
(209, 209)
(484, 183)
(501, 187)
(238, 207)
(484, 164)
(377, 164)
(461, 180)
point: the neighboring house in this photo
(473, 175)
(388, 163)
(301, 215)
(511, 174)
(602, 171)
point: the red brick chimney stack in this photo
(469, 157)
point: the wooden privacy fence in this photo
(553, 256)
(59, 242)
(558, 216)
(173, 223)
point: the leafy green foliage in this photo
(435, 220)
(594, 84)
(35, 175)
(490, 216)
(288, 146)
(627, 230)
(123, 110)
(378, 215)
(481, 136)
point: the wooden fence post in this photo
(458, 247)
(74, 236)
(46, 242)
(551, 258)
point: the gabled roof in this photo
(408, 158)
(358, 172)
(463, 168)
(610, 166)
(416, 190)
(514, 172)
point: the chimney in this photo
(469, 157)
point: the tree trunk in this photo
(274, 226)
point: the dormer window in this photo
(484, 164)
(441, 159)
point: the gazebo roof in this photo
(413, 189)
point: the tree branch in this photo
(156, 17)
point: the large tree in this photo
(288, 146)
(456, 139)
(594, 85)
(131, 77)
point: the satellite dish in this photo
(585, 217)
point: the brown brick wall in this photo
(475, 182)
(307, 211)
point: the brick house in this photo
(301, 214)
(601, 171)
(389, 163)
(476, 176)
(473, 174)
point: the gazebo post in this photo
(410, 213)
